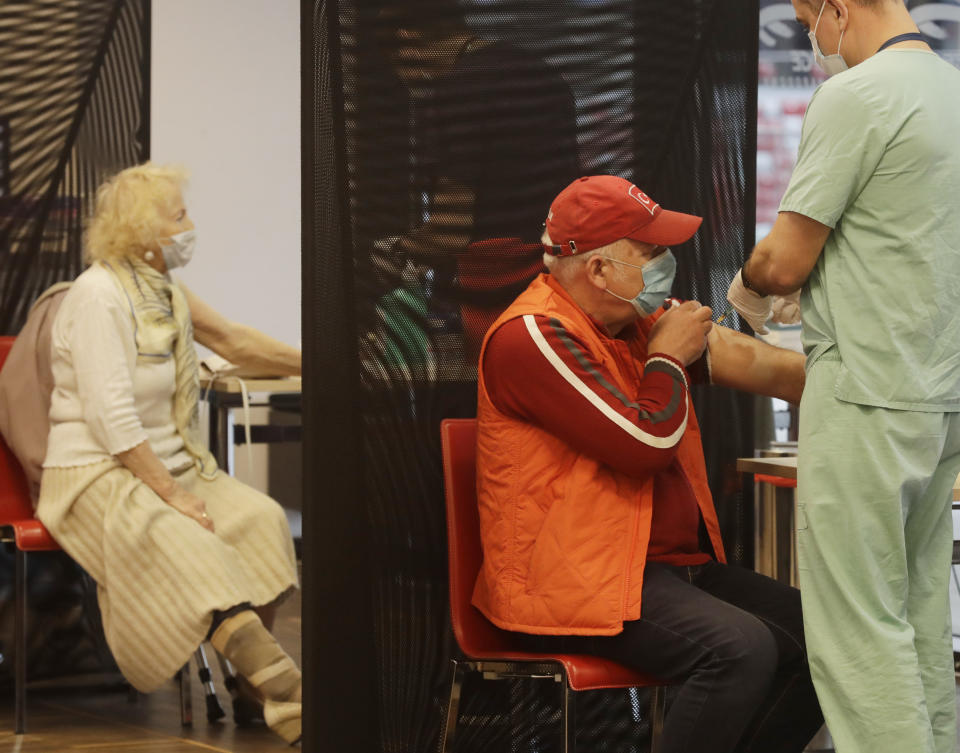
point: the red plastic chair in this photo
(17, 525)
(488, 649)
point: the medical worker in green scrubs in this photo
(869, 227)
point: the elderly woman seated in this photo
(181, 552)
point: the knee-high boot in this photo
(255, 653)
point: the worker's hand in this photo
(681, 332)
(753, 307)
(190, 505)
(786, 308)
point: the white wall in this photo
(225, 102)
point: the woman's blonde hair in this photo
(127, 214)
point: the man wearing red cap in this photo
(592, 485)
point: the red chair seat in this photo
(785, 483)
(480, 639)
(594, 672)
(32, 536)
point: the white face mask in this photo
(178, 251)
(831, 64)
(658, 274)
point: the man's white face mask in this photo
(831, 64)
(658, 274)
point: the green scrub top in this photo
(879, 163)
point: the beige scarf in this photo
(163, 329)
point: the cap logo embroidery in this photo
(642, 199)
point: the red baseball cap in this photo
(599, 209)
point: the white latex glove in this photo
(786, 308)
(753, 307)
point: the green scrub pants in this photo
(874, 539)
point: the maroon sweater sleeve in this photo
(536, 370)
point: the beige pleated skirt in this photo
(160, 575)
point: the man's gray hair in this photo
(565, 268)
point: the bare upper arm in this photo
(210, 328)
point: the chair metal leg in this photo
(20, 641)
(186, 696)
(568, 718)
(215, 711)
(243, 709)
(229, 675)
(658, 703)
(453, 707)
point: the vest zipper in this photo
(630, 554)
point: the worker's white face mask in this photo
(831, 64)
(178, 251)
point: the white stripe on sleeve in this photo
(633, 430)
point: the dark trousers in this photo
(733, 641)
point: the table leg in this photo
(764, 530)
(786, 533)
(220, 432)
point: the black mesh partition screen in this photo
(435, 134)
(74, 108)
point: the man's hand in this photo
(753, 307)
(190, 505)
(681, 332)
(786, 308)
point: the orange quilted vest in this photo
(564, 536)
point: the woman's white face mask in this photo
(178, 249)
(831, 64)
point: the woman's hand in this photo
(146, 466)
(190, 505)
